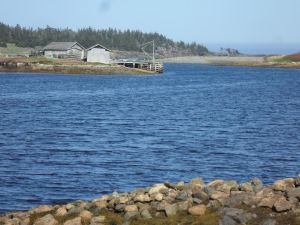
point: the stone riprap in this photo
(218, 202)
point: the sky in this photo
(252, 26)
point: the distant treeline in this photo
(127, 40)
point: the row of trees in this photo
(111, 38)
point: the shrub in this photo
(3, 44)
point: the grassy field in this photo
(49, 61)
(12, 49)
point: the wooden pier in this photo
(149, 66)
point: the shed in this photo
(65, 50)
(98, 53)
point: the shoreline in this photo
(75, 70)
(44, 65)
(216, 203)
(241, 61)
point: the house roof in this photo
(97, 46)
(61, 46)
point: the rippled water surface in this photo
(68, 137)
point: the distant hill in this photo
(128, 40)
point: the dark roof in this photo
(98, 45)
(63, 46)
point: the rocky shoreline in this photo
(218, 202)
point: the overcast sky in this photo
(252, 25)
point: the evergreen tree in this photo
(128, 40)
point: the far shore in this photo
(248, 61)
(51, 66)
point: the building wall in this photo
(55, 54)
(76, 53)
(98, 55)
(82, 51)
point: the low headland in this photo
(45, 65)
(278, 61)
(194, 203)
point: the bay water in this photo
(68, 137)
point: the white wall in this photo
(99, 55)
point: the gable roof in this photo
(97, 46)
(61, 46)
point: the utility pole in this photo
(153, 58)
(152, 65)
(143, 46)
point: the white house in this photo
(65, 50)
(98, 53)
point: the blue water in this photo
(66, 137)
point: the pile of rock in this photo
(233, 203)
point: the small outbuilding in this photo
(65, 50)
(98, 53)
